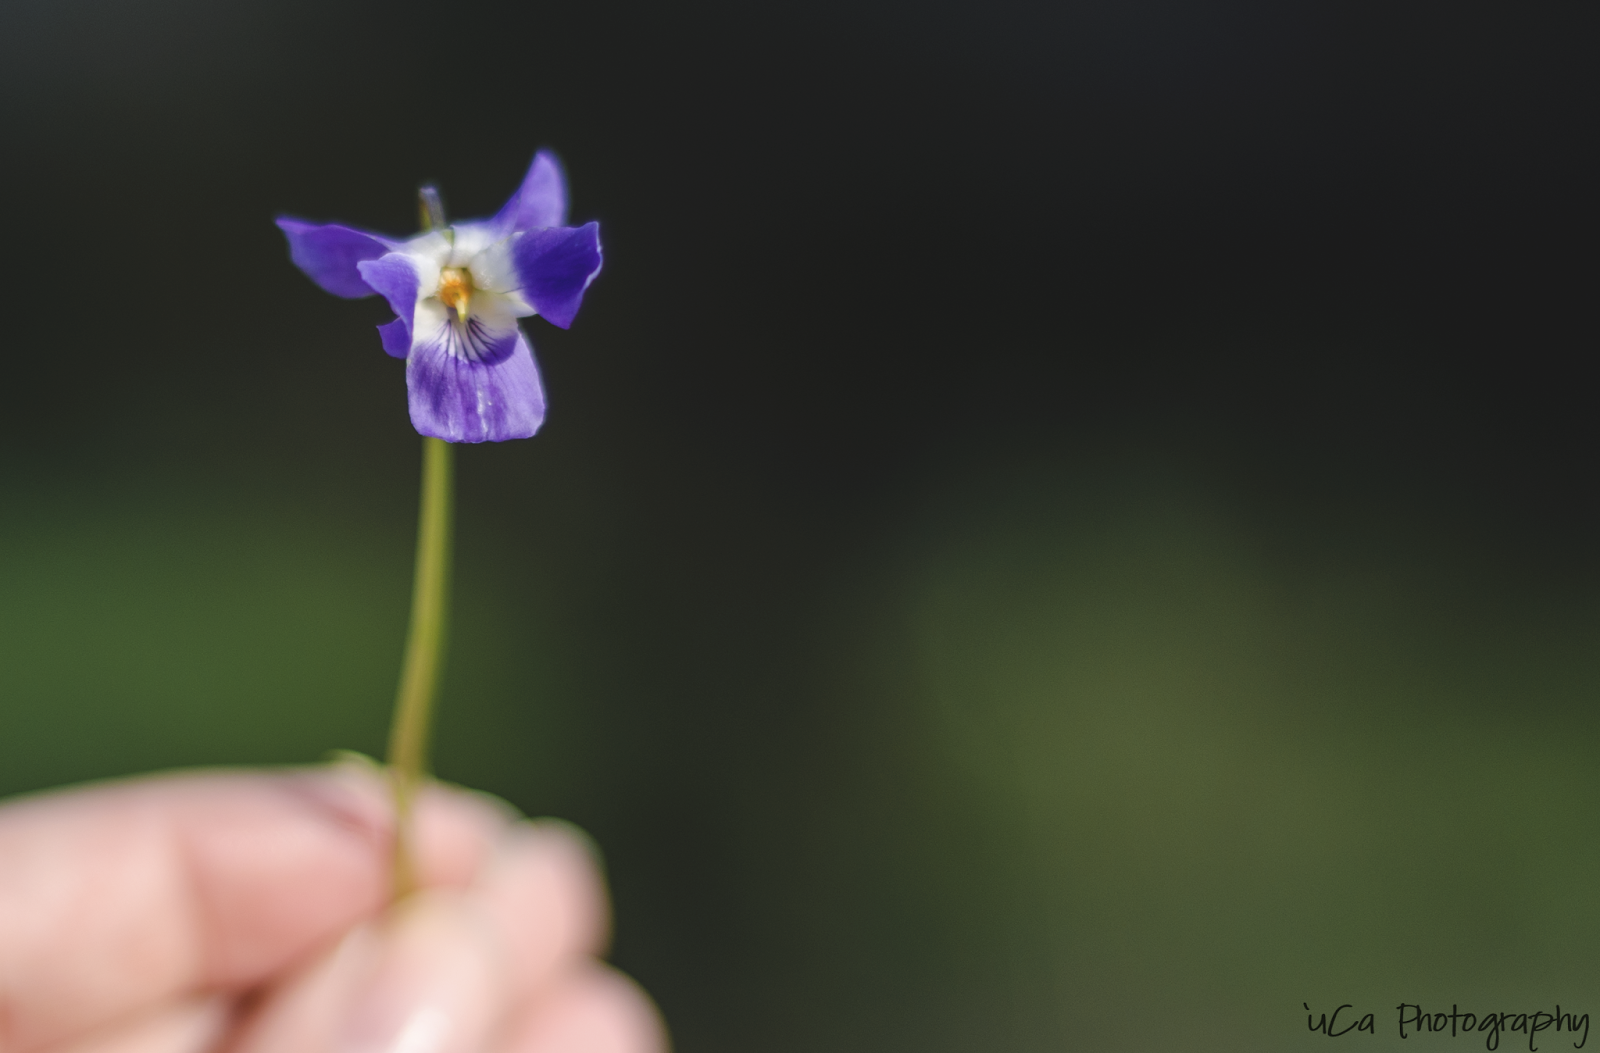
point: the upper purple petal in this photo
(555, 266)
(541, 201)
(330, 254)
(462, 400)
(393, 276)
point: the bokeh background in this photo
(1060, 526)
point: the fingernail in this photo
(433, 989)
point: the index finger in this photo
(121, 895)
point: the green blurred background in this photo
(1059, 527)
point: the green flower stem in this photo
(424, 659)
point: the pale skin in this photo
(246, 912)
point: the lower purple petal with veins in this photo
(555, 266)
(476, 341)
(331, 254)
(460, 399)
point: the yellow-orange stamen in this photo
(455, 290)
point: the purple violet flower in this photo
(457, 293)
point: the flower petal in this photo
(541, 201)
(461, 400)
(330, 254)
(395, 277)
(494, 271)
(396, 337)
(467, 240)
(488, 336)
(555, 266)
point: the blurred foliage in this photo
(1241, 769)
(1072, 756)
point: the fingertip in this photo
(302, 1009)
(281, 863)
(190, 1025)
(457, 833)
(426, 978)
(595, 1009)
(456, 829)
(544, 890)
(439, 984)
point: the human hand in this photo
(244, 911)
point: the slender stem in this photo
(425, 644)
(430, 207)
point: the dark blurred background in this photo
(1060, 526)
